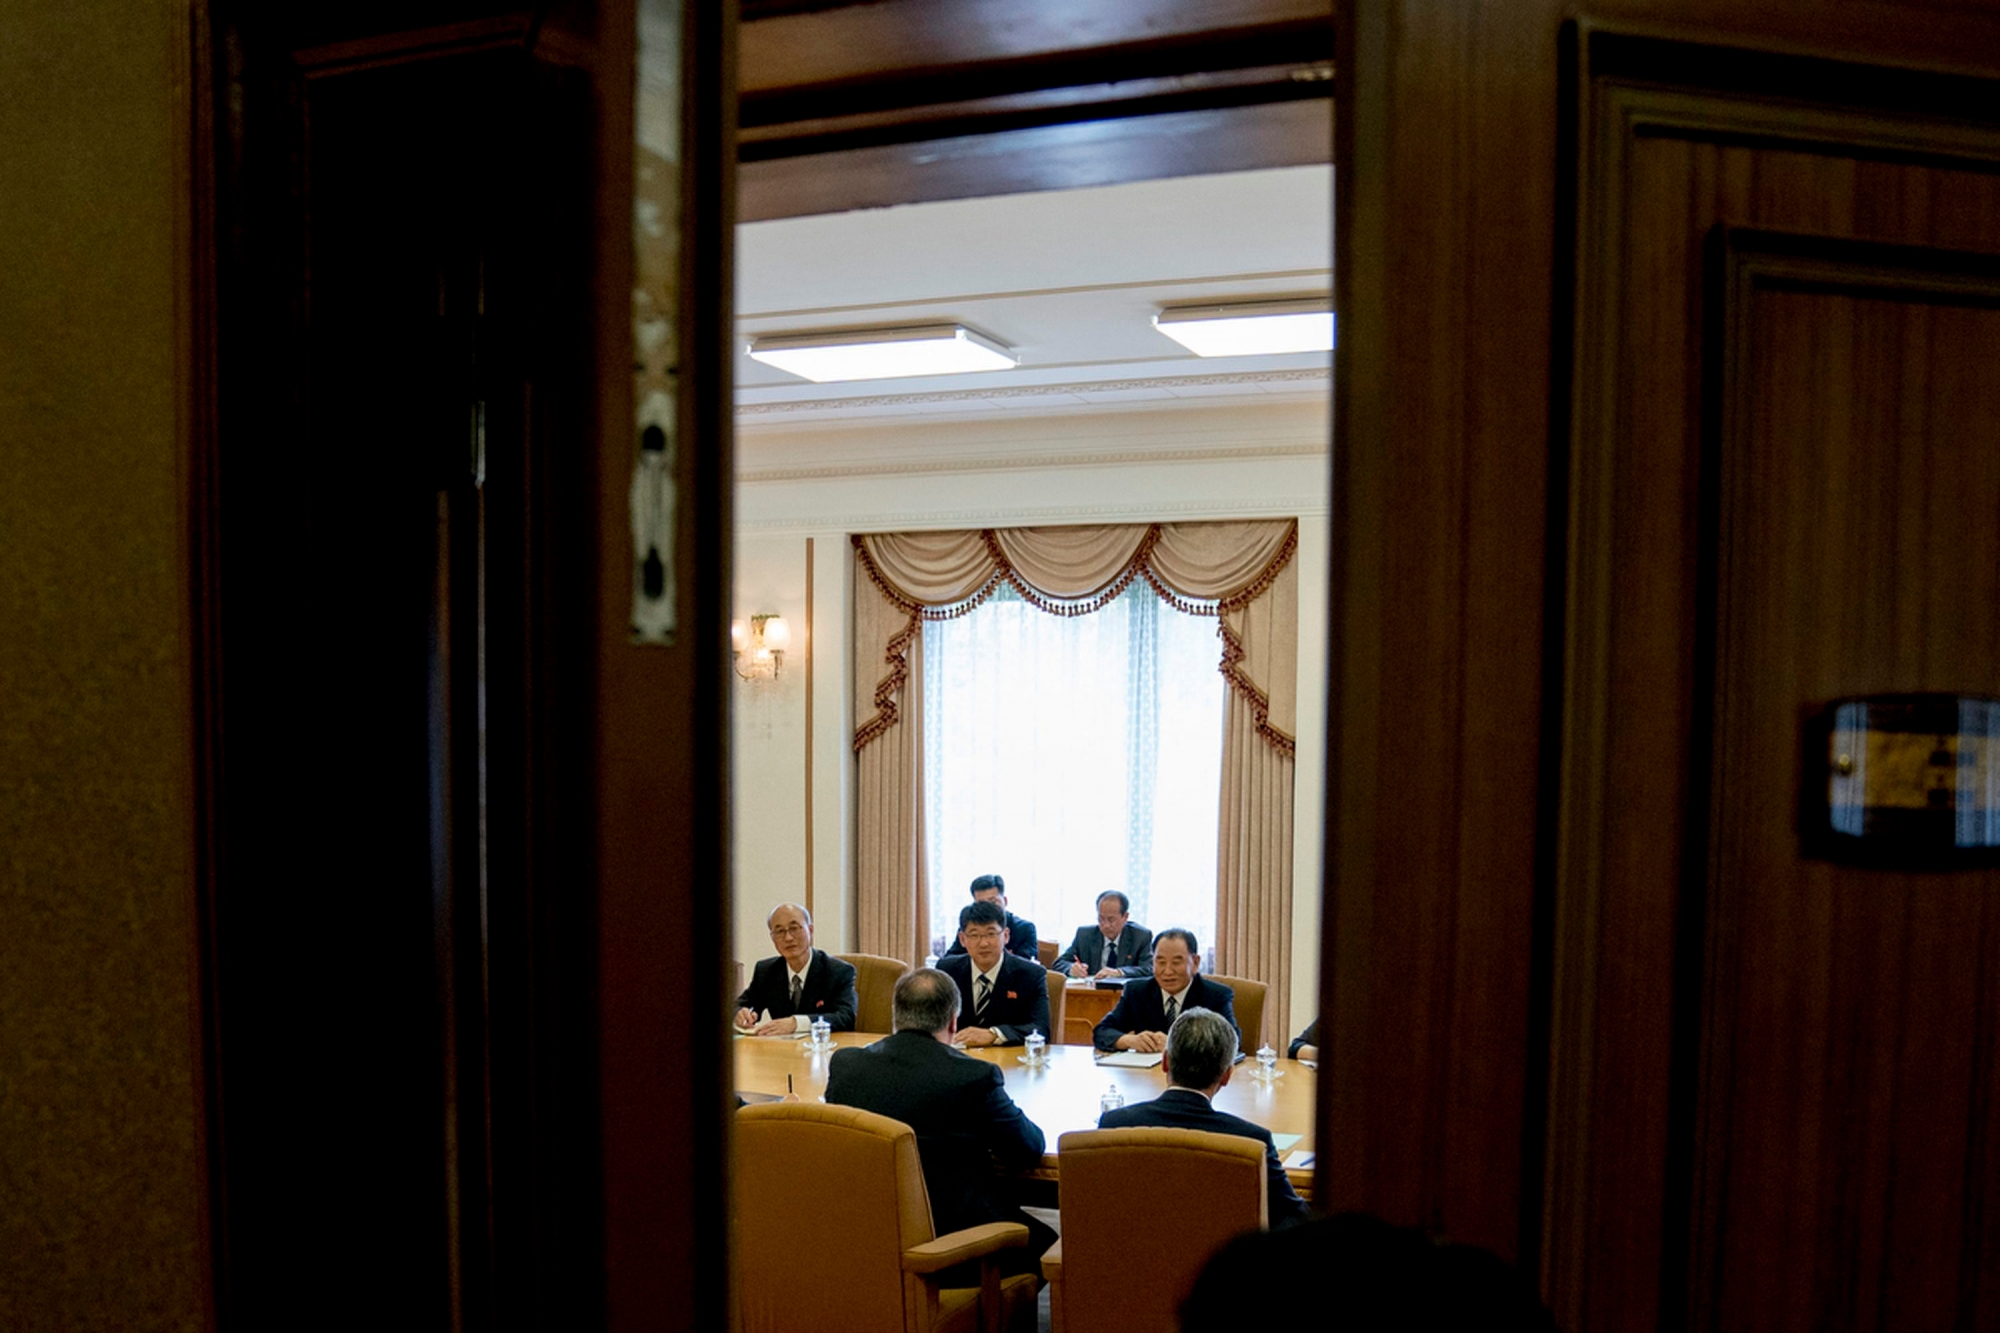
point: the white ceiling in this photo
(1069, 279)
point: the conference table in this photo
(1062, 1094)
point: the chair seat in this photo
(958, 1307)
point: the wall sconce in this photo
(760, 644)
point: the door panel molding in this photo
(1673, 134)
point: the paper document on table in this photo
(1130, 1059)
(764, 1017)
(1298, 1161)
(1284, 1142)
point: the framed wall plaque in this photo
(1904, 781)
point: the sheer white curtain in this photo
(1070, 755)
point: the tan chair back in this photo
(1103, 1172)
(1058, 1000)
(875, 979)
(1047, 949)
(800, 1161)
(1249, 1008)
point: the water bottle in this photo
(930, 960)
(1110, 1101)
(1034, 1044)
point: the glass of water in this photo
(1267, 1063)
(822, 1034)
(1034, 1046)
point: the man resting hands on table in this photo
(802, 983)
(1148, 1009)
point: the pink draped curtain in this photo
(1241, 573)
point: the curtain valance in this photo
(1241, 573)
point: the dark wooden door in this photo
(1848, 1109)
(1776, 1099)
(402, 475)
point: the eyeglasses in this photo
(782, 932)
(982, 936)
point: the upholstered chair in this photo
(875, 979)
(1120, 1266)
(838, 1195)
(1048, 950)
(1058, 998)
(1249, 1008)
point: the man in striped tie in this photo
(1002, 997)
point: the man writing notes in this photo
(1114, 947)
(1021, 941)
(1145, 1012)
(802, 983)
(958, 1105)
(1201, 1048)
(1001, 998)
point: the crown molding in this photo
(1314, 377)
(933, 464)
(905, 520)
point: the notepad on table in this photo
(1130, 1059)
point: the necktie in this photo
(981, 994)
(798, 995)
(1173, 1008)
(1111, 951)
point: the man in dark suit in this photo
(1147, 1009)
(958, 1105)
(1001, 998)
(1021, 940)
(802, 983)
(1201, 1049)
(1114, 947)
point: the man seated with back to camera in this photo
(802, 983)
(958, 1105)
(1147, 1009)
(1001, 998)
(1114, 947)
(1200, 1055)
(1021, 940)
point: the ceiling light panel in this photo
(1266, 328)
(880, 354)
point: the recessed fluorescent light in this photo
(1256, 329)
(880, 354)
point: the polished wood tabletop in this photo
(1060, 1096)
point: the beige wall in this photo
(100, 1137)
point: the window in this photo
(1071, 755)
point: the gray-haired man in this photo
(1201, 1052)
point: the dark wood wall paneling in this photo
(1514, 970)
(1775, 1096)
(1444, 185)
(660, 734)
(865, 106)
